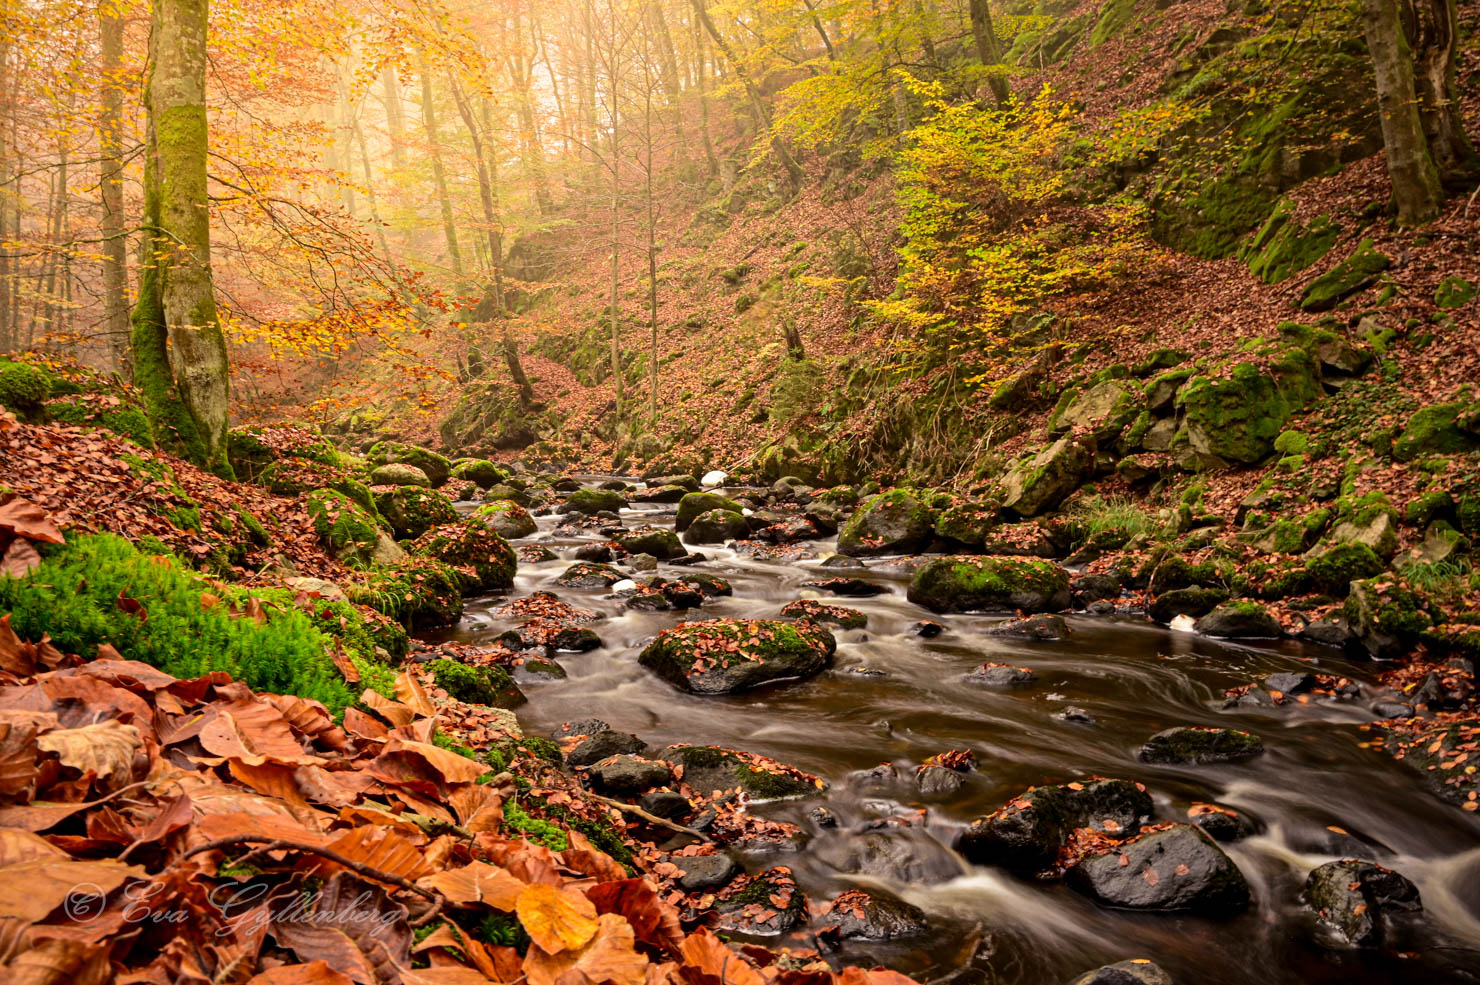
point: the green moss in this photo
(344, 528)
(412, 511)
(600, 833)
(1334, 569)
(437, 467)
(1234, 417)
(1347, 277)
(592, 501)
(535, 829)
(1282, 248)
(418, 592)
(23, 389)
(127, 421)
(694, 504)
(1433, 430)
(1114, 16)
(1292, 443)
(1454, 292)
(478, 470)
(471, 543)
(476, 685)
(74, 595)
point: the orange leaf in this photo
(556, 919)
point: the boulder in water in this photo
(1175, 868)
(659, 542)
(1002, 675)
(828, 615)
(890, 523)
(593, 501)
(692, 505)
(399, 474)
(589, 574)
(1194, 744)
(966, 583)
(1027, 832)
(709, 768)
(873, 916)
(629, 775)
(1039, 627)
(1240, 620)
(1355, 899)
(602, 744)
(507, 517)
(722, 656)
(1136, 971)
(716, 527)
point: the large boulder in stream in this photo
(593, 501)
(692, 505)
(722, 656)
(660, 542)
(589, 574)
(716, 527)
(1175, 868)
(1027, 833)
(970, 583)
(1196, 745)
(890, 523)
(1354, 900)
(507, 517)
(709, 768)
(471, 543)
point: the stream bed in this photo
(1316, 794)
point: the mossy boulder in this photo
(399, 474)
(98, 411)
(716, 527)
(660, 542)
(1042, 482)
(824, 614)
(1347, 277)
(589, 574)
(593, 501)
(890, 523)
(412, 510)
(1191, 601)
(479, 470)
(351, 535)
(1284, 246)
(963, 583)
(437, 467)
(968, 523)
(507, 517)
(1335, 568)
(1176, 868)
(1102, 411)
(723, 656)
(23, 389)
(476, 685)
(1454, 292)
(417, 592)
(1386, 617)
(1195, 745)
(1436, 430)
(252, 448)
(1240, 620)
(694, 504)
(1236, 416)
(710, 768)
(1356, 899)
(474, 543)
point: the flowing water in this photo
(1317, 794)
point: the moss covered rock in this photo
(399, 474)
(412, 510)
(1435, 430)
(1347, 277)
(251, 448)
(418, 592)
(1102, 411)
(1454, 292)
(716, 527)
(1284, 246)
(722, 656)
(476, 685)
(710, 768)
(23, 389)
(351, 535)
(968, 523)
(1335, 568)
(507, 517)
(1042, 482)
(694, 504)
(825, 614)
(589, 574)
(1386, 617)
(471, 543)
(990, 584)
(437, 467)
(1356, 899)
(593, 501)
(1189, 744)
(890, 523)
(660, 542)
(1234, 417)
(1176, 868)
(479, 470)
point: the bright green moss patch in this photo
(476, 685)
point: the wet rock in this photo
(873, 916)
(891, 523)
(828, 615)
(822, 817)
(399, 474)
(722, 656)
(642, 562)
(629, 775)
(1074, 713)
(879, 779)
(680, 479)
(847, 587)
(1332, 630)
(1192, 744)
(841, 561)
(1027, 833)
(537, 669)
(1087, 589)
(1384, 617)
(588, 574)
(704, 871)
(1221, 823)
(1002, 675)
(682, 596)
(1293, 682)
(598, 553)
(1137, 971)
(716, 527)
(709, 768)
(584, 726)
(665, 803)
(938, 781)
(660, 542)
(603, 744)
(1040, 627)
(1240, 620)
(772, 894)
(925, 629)
(1356, 900)
(661, 494)
(593, 501)
(708, 585)
(1177, 868)
(793, 529)
(1193, 602)
(507, 517)
(965, 583)
(898, 855)
(576, 639)
(645, 598)
(535, 554)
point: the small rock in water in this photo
(594, 552)
(1137, 971)
(535, 554)
(1177, 868)
(1002, 675)
(881, 777)
(867, 672)
(629, 775)
(1355, 900)
(1190, 744)
(625, 585)
(1074, 713)
(1393, 709)
(1183, 624)
(925, 629)
(705, 871)
(872, 916)
(642, 562)
(938, 781)
(823, 818)
(713, 479)
(1219, 822)
(602, 744)
(849, 587)
(841, 561)
(585, 726)
(1290, 683)
(1040, 627)
(665, 803)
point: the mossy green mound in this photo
(479, 470)
(989, 584)
(477, 685)
(23, 389)
(412, 511)
(437, 467)
(592, 501)
(890, 523)
(722, 656)
(350, 534)
(507, 517)
(418, 592)
(471, 543)
(692, 505)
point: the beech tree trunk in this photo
(395, 116)
(7, 339)
(988, 50)
(180, 359)
(439, 176)
(110, 188)
(1433, 27)
(1416, 190)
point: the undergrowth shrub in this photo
(100, 589)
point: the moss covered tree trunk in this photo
(1416, 191)
(110, 186)
(1434, 34)
(179, 349)
(988, 49)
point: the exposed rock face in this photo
(1042, 482)
(697, 657)
(1103, 411)
(892, 523)
(1177, 868)
(966, 583)
(1355, 900)
(508, 518)
(1027, 833)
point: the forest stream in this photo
(892, 697)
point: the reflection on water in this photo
(1134, 680)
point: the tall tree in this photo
(1416, 190)
(110, 184)
(180, 359)
(1433, 30)
(439, 175)
(988, 49)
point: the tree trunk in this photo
(614, 310)
(178, 343)
(385, 246)
(709, 156)
(1416, 190)
(529, 134)
(395, 116)
(439, 176)
(7, 332)
(763, 113)
(1433, 31)
(988, 50)
(821, 31)
(110, 187)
